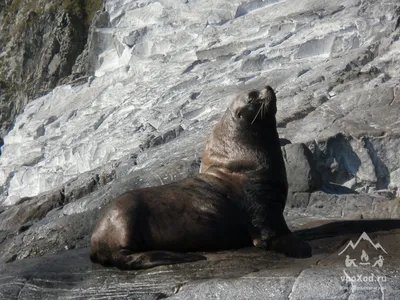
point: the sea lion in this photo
(237, 200)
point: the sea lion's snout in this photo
(260, 106)
(267, 94)
(255, 107)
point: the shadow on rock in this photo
(336, 189)
(341, 228)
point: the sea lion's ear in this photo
(238, 113)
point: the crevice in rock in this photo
(285, 38)
(353, 68)
(248, 52)
(194, 64)
(193, 96)
(24, 228)
(295, 284)
(298, 115)
(381, 170)
(5, 186)
(11, 259)
(397, 12)
(23, 286)
(159, 296)
(154, 141)
(99, 122)
(336, 160)
(249, 6)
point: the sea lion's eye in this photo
(253, 96)
(239, 114)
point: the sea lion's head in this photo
(255, 108)
(245, 135)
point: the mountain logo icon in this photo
(364, 237)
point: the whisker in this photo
(265, 108)
(256, 115)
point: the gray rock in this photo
(334, 69)
(345, 206)
(50, 236)
(311, 279)
(135, 37)
(254, 286)
(300, 168)
(236, 274)
(30, 210)
(40, 43)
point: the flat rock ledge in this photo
(247, 273)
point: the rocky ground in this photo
(248, 273)
(164, 73)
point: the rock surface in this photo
(248, 273)
(165, 71)
(40, 41)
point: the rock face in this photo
(39, 43)
(164, 72)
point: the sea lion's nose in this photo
(267, 93)
(268, 88)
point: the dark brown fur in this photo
(239, 198)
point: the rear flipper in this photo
(125, 259)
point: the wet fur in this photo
(194, 214)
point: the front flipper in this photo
(268, 226)
(289, 245)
